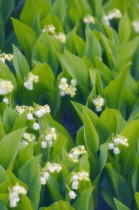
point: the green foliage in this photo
(51, 129)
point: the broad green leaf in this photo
(76, 68)
(6, 9)
(20, 63)
(102, 131)
(54, 189)
(119, 205)
(58, 146)
(124, 28)
(25, 35)
(9, 116)
(90, 135)
(29, 173)
(92, 45)
(115, 88)
(79, 44)
(9, 147)
(128, 54)
(37, 5)
(109, 119)
(45, 51)
(85, 200)
(60, 205)
(109, 52)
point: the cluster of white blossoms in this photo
(48, 138)
(4, 56)
(14, 194)
(28, 137)
(29, 80)
(76, 152)
(66, 88)
(49, 168)
(135, 24)
(115, 13)
(98, 102)
(5, 87)
(75, 179)
(41, 110)
(89, 19)
(116, 141)
(21, 109)
(61, 37)
(51, 30)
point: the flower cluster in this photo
(89, 19)
(76, 152)
(98, 102)
(28, 137)
(51, 29)
(41, 110)
(4, 57)
(61, 37)
(65, 88)
(14, 194)
(29, 80)
(75, 179)
(21, 109)
(49, 168)
(48, 138)
(136, 26)
(115, 13)
(5, 87)
(117, 140)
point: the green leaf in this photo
(2, 131)
(20, 63)
(137, 198)
(115, 88)
(61, 205)
(45, 51)
(37, 5)
(90, 135)
(54, 189)
(124, 28)
(119, 205)
(6, 9)
(2, 206)
(92, 45)
(76, 68)
(3, 175)
(109, 119)
(52, 20)
(85, 200)
(29, 173)
(25, 35)
(102, 131)
(9, 147)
